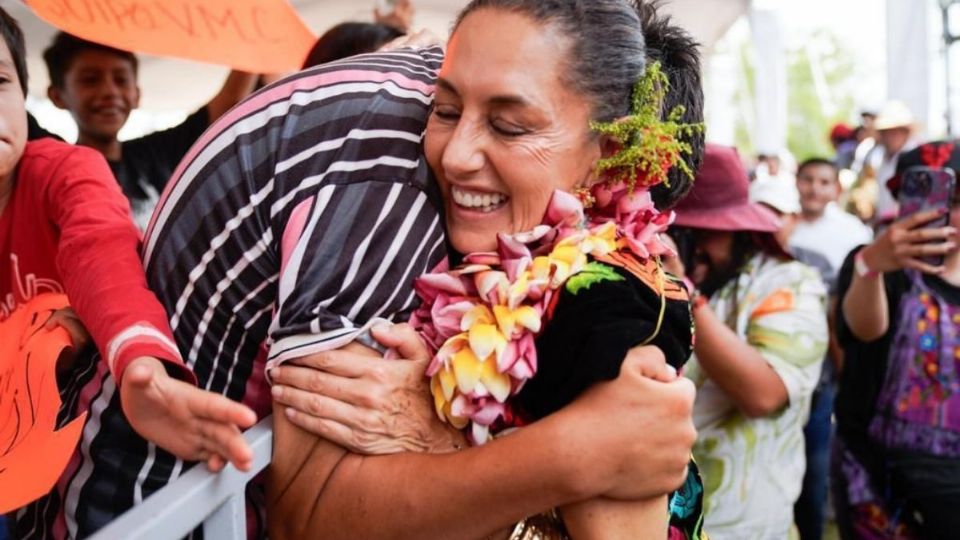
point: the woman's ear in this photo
(609, 146)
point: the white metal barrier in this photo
(215, 500)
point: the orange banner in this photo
(32, 453)
(259, 36)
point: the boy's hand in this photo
(190, 423)
(68, 320)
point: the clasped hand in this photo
(365, 403)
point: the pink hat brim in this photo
(745, 217)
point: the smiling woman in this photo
(503, 135)
(264, 255)
(510, 137)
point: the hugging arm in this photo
(639, 449)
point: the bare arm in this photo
(639, 450)
(865, 307)
(609, 519)
(237, 86)
(902, 245)
(736, 367)
(319, 488)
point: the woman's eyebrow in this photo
(504, 100)
(447, 85)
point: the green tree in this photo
(810, 116)
(810, 111)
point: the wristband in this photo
(861, 268)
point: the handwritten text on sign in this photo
(264, 36)
(33, 453)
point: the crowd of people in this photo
(495, 287)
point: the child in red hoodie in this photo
(65, 227)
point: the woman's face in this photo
(713, 254)
(505, 131)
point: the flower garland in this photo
(482, 317)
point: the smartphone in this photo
(923, 189)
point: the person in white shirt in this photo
(822, 228)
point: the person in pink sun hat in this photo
(761, 333)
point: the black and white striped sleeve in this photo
(349, 258)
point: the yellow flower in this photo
(447, 382)
(443, 396)
(479, 314)
(490, 282)
(601, 240)
(498, 384)
(511, 321)
(439, 400)
(567, 253)
(540, 269)
(458, 422)
(485, 340)
(466, 369)
(565, 261)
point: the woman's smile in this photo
(474, 201)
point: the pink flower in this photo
(481, 318)
(639, 223)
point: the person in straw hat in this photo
(896, 129)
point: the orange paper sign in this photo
(259, 36)
(32, 453)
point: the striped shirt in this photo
(300, 216)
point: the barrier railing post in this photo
(198, 497)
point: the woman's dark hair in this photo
(612, 41)
(13, 37)
(65, 48)
(349, 39)
(746, 244)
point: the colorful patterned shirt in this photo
(753, 467)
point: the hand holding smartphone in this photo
(924, 189)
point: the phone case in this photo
(923, 189)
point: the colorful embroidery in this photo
(919, 404)
(594, 272)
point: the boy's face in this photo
(13, 115)
(818, 186)
(99, 89)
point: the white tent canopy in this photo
(176, 85)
